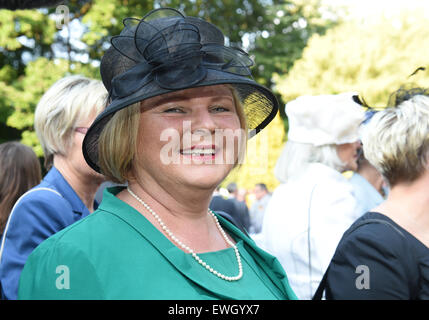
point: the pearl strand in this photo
(185, 247)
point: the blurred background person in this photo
(368, 185)
(242, 196)
(222, 204)
(314, 204)
(257, 210)
(240, 204)
(66, 194)
(19, 171)
(392, 241)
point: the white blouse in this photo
(304, 221)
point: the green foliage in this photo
(18, 31)
(29, 138)
(372, 58)
(284, 36)
(24, 32)
(25, 95)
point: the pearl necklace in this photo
(194, 255)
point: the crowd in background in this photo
(325, 187)
(349, 219)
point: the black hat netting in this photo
(404, 93)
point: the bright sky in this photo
(364, 8)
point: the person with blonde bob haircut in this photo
(314, 204)
(385, 253)
(181, 106)
(66, 194)
(61, 110)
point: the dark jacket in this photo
(233, 208)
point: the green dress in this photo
(116, 253)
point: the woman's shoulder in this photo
(38, 204)
(82, 235)
(322, 179)
(46, 195)
(317, 169)
(72, 235)
(378, 229)
(97, 224)
(63, 256)
(377, 250)
(42, 192)
(384, 231)
(375, 236)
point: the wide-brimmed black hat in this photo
(166, 51)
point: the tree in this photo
(371, 58)
(23, 35)
(282, 39)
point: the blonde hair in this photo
(65, 103)
(396, 140)
(118, 143)
(116, 157)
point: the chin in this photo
(206, 184)
(352, 167)
(205, 176)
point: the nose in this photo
(203, 120)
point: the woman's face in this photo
(190, 137)
(75, 156)
(349, 154)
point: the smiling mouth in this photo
(200, 151)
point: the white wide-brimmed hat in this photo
(324, 119)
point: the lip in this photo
(208, 152)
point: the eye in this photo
(218, 109)
(173, 110)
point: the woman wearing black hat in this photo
(180, 102)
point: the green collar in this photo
(184, 262)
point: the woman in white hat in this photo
(314, 205)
